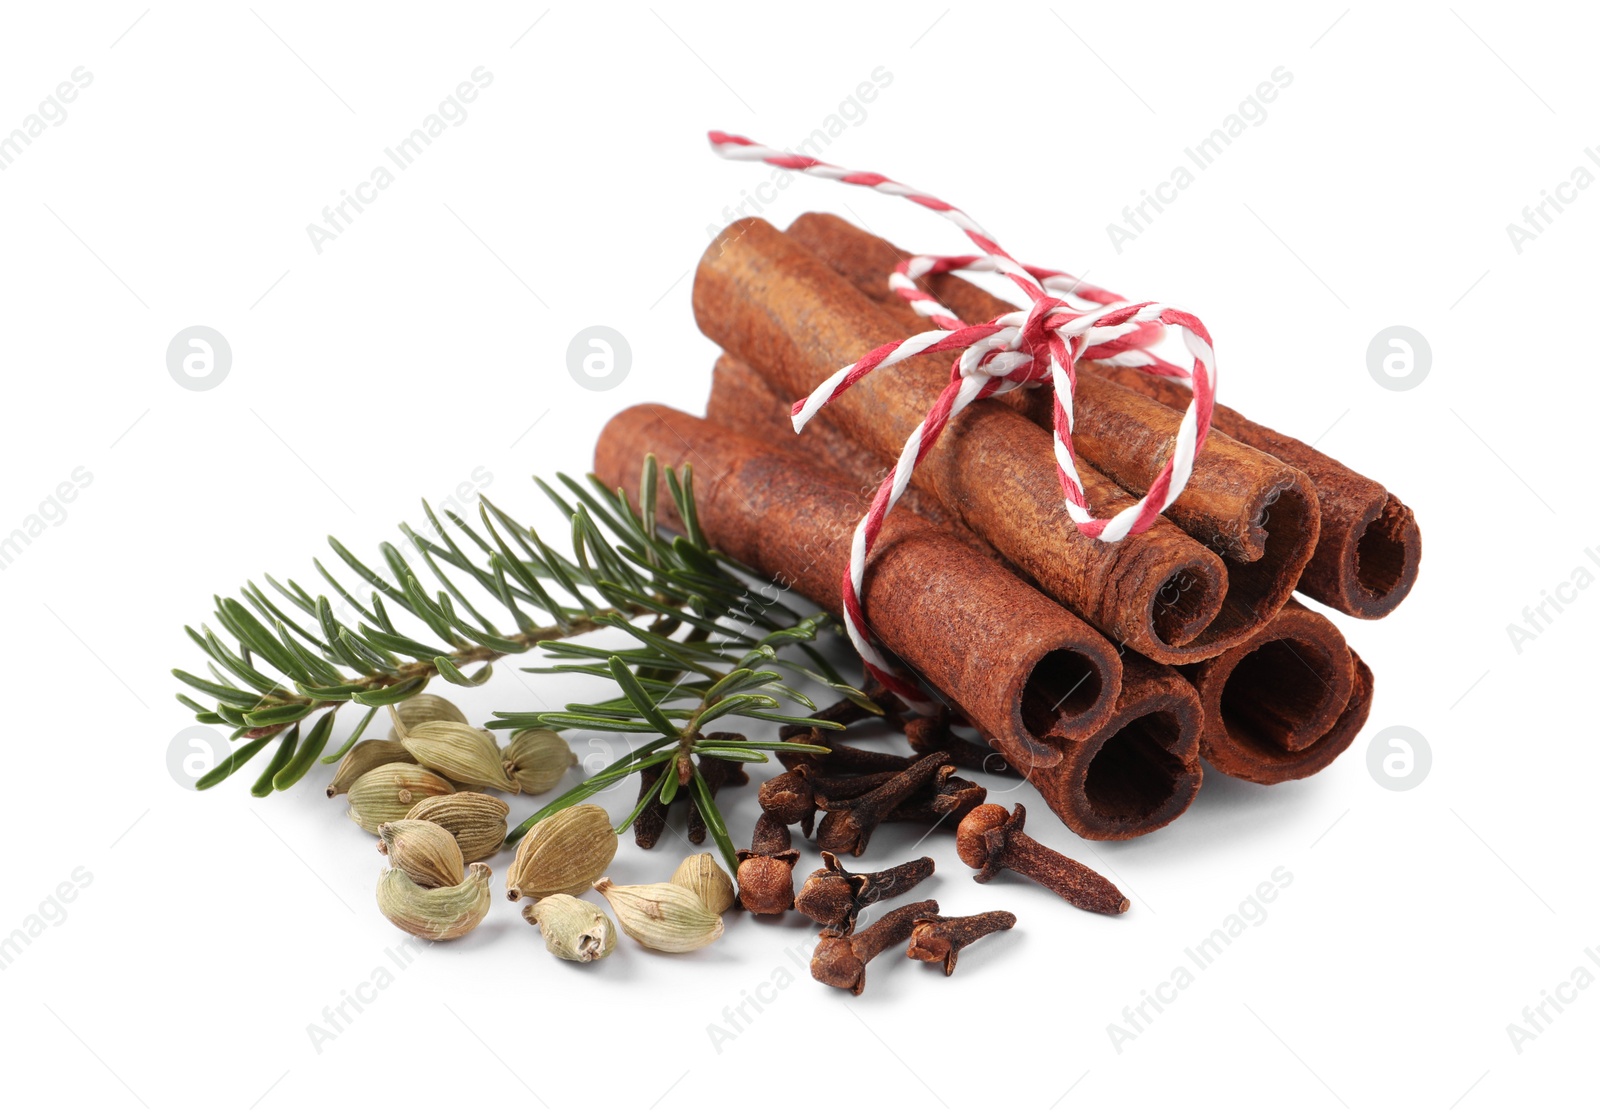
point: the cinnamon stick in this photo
(743, 401)
(1368, 547)
(775, 305)
(1285, 702)
(1258, 513)
(1138, 772)
(1011, 660)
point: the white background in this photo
(429, 339)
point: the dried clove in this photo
(833, 897)
(941, 939)
(791, 796)
(766, 869)
(652, 818)
(718, 773)
(945, 800)
(991, 839)
(932, 732)
(840, 759)
(841, 961)
(845, 712)
(849, 824)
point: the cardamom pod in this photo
(439, 914)
(563, 854)
(464, 754)
(573, 929)
(363, 758)
(701, 876)
(424, 708)
(388, 792)
(662, 916)
(427, 853)
(537, 759)
(477, 820)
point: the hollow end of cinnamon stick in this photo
(1285, 703)
(1005, 655)
(1141, 770)
(1378, 557)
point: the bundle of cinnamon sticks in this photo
(1102, 672)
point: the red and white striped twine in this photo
(1065, 320)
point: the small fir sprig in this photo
(673, 690)
(687, 606)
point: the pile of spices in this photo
(1101, 671)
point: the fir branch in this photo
(277, 658)
(707, 681)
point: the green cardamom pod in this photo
(388, 792)
(701, 875)
(477, 820)
(424, 708)
(537, 759)
(427, 853)
(563, 854)
(363, 758)
(662, 916)
(438, 914)
(466, 755)
(573, 929)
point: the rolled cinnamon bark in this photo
(1141, 770)
(1368, 546)
(742, 401)
(1258, 513)
(1283, 703)
(1008, 658)
(772, 303)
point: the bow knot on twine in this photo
(1065, 320)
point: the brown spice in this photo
(833, 897)
(791, 796)
(841, 961)
(1258, 513)
(1141, 770)
(1014, 662)
(766, 299)
(849, 824)
(718, 773)
(941, 939)
(945, 799)
(991, 839)
(766, 869)
(1369, 548)
(1284, 704)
